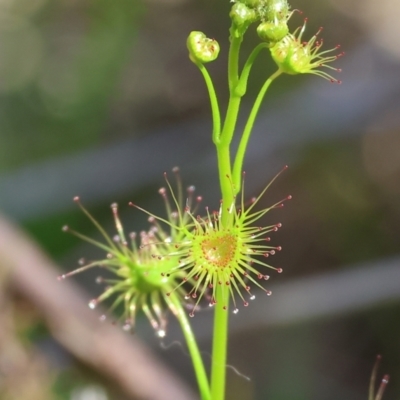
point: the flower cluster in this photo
(290, 53)
(185, 254)
(272, 16)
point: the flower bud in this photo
(201, 48)
(294, 56)
(242, 17)
(272, 32)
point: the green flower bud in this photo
(242, 17)
(201, 48)
(272, 32)
(294, 56)
(272, 11)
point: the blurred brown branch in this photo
(101, 346)
(24, 372)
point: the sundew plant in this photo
(194, 255)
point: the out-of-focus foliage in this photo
(60, 65)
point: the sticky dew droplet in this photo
(161, 333)
(236, 310)
(127, 326)
(92, 304)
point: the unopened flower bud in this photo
(272, 32)
(201, 48)
(242, 17)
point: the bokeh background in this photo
(98, 99)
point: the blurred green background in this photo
(98, 99)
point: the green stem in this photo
(238, 164)
(241, 86)
(220, 344)
(198, 365)
(225, 180)
(234, 100)
(224, 159)
(223, 153)
(233, 62)
(220, 336)
(214, 103)
(230, 119)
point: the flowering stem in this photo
(220, 342)
(201, 375)
(225, 180)
(224, 157)
(223, 145)
(230, 183)
(234, 99)
(238, 164)
(241, 86)
(220, 336)
(233, 62)
(214, 103)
